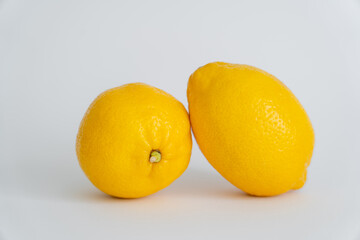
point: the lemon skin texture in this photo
(134, 140)
(250, 127)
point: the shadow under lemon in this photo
(201, 183)
(64, 180)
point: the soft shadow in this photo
(210, 184)
(64, 180)
(201, 183)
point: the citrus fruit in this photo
(250, 127)
(134, 140)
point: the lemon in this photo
(134, 140)
(250, 127)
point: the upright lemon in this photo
(134, 140)
(250, 127)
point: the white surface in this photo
(57, 56)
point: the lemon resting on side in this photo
(250, 127)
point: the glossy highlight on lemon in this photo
(134, 140)
(250, 127)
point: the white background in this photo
(57, 56)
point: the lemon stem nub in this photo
(155, 156)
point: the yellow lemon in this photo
(134, 140)
(250, 127)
